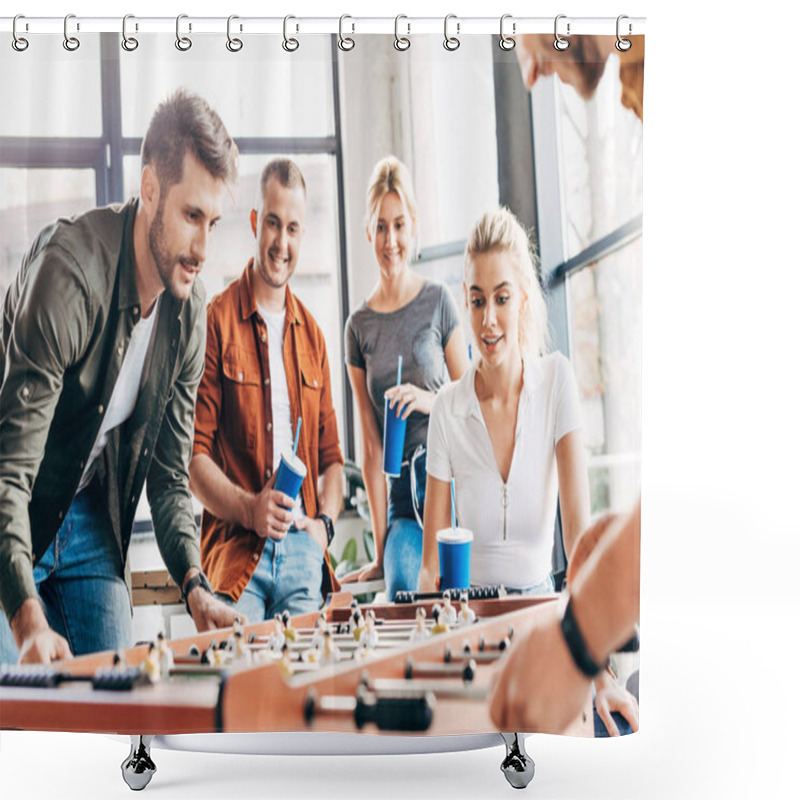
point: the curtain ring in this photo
(560, 43)
(451, 43)
(129, 43)
(506, 42)
(346, 43)
(183, 43)
(290, 44)
(401, 43)
(19, 43)
(234, 44)
(71, 43)
(623, 45)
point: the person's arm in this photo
(610, 697)
(437, 517)
(573, 488)
(330, 491)
(372, 471)
(47, 331)
(540, 687)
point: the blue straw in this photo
(297, 435)
(453, 502)
(399, 369)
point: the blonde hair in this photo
(500, 231)
(389, 175)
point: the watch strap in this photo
(577, 645)
(329, 529)
(196, 580)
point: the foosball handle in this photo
(412, 712)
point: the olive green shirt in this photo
(67, 320)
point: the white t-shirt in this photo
(126, 389)
(282, 433)
(512, 545)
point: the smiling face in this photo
(278, 227)
(393, 235)
(581, 65)
(495, 301)
(186, 214)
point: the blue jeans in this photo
(80, 580)
(402, 556)
(288, 578)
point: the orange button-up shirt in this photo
(233, 420)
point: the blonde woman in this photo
(509, 430)
(409, 316)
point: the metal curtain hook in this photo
(345, 42)
(183, 43)
(401, 42)
(506, 42)
(560, 43)
(70, 42)
(19, 43)
(129, 43)
(623, 45)
(290, 44)
(451, 42)
(234, 44)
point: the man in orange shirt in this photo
(266, 367)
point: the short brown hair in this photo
(287, 173)
(185, 121)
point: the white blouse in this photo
(513, 522)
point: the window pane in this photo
(260, 91)
(47, 91)
(600, 145)
(316, 279)
(30, 199)
(454, 139)
(606, 329)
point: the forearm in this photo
(330, 492)
(375, 485)
(605, 596)
(223, 498)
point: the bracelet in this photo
(329, 530)
(577, 645)
(196, 580)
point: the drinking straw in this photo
(399, 368)
(297, 435)
(453, 502)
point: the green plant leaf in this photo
(350, 551)
(369, 544)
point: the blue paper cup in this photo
(455, 546)
(394, 440)
(291, 472)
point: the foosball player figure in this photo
(241, 652)
(286, 661)
(351, 624)
(151, 667)
(330, 652)
(277, 639)
(466, 616)
(320, 626)
(449, 614)
(288, 630)
(166, 658)
(237, 626)
(119, 661)
(420, 632)
(439, 625)
(357, 624)
(369, 636)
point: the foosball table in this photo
(422, 667)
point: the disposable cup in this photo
(394, 439)
(291, 472)
(455, 546)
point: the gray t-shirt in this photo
(419, 331)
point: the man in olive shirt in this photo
(100, 369)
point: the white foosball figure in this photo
(241, 652)
(330, 652)
(449, 614)
(320, 626)
(466, 616)
(166, 658)
(277, 639)
(357, 624)
(420, 632)
(369, 636)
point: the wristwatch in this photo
(328, 527)
(196, 580)
(577, 645)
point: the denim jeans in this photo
(402, 556)
(80, 580)
(288, 577)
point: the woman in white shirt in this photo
(509, 430)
